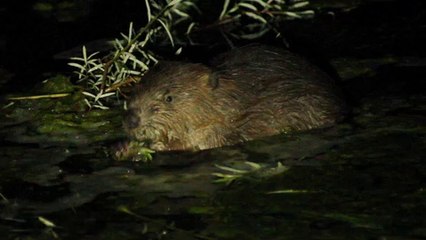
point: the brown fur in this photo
(248, 93)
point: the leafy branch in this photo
(130, 60)
(262, 15)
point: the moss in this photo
(57, 84)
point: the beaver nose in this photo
(132, 120)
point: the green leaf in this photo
(148, 10)
(255, 17)
(167, 31)
(248, 6)
(224, 9)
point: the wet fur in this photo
(246, 94)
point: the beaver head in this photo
(170, 105)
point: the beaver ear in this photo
(213, 80)
(210, 80)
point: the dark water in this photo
(362, 179)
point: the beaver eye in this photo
(169, 99)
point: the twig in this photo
(34, 97)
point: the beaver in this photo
(245, 94)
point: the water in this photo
(363, 178)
